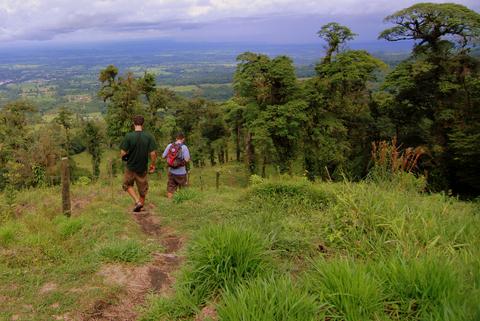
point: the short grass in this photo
(48, 262)
(377, 250)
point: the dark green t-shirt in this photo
(138, 145)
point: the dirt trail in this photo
(137, 282)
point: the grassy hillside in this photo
(281, 249)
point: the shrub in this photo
(268, 299)
(124, 251)
(349, 291)
(291, 194)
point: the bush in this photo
(269, 299)
(290, 194)
(124, 251)
(349, 291)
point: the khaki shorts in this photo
(140, 179)
(175, 181)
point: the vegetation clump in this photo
(219, 258)
(129, 251)
(291, 193)
(273, 299)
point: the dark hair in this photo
(180, 135)
(138, 120)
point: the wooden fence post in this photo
(110, 177)
(66, 202)
(217, 180)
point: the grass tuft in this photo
(424, 288)
(130, 251)
(291, 193)
(268, 299)
(69, 226)
(8, 233)
(219, 258)
(349, 291)
(185, 194)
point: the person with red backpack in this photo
(177, 156)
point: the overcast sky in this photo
(265, 21)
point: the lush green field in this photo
(281, 249)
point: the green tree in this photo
(235, 118)
(338, 128)
(263, 87)
(64, 118)
(433, 23)
(336, 36)
(94, 139)
(433, 96)
(123, 97)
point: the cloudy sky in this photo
(263, 21)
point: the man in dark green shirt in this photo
(135, 149)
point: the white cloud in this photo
(57, 19)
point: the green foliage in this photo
(430, 23)
(426, 288)
(263, 80)
(338, 128)
(8, 233)
(69, 226)
(348, 291)
(94, 138)
(219, 258)
(222, 257)
(270, 299)
(185, 194)
(129, 251)
(335, 35)
(291, 193)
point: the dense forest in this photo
(355, 117)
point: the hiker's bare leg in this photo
(169, 195)
(133, 194)
(142, 200)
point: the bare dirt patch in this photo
(208, 313)
(137, 282)
(48, 287)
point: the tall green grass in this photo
(426, 288)
(294, 192)
(348, 291)
(269, 299)
(218, 259)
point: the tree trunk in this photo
(66, 203)
(212, 157)
(250, 154)
(237, 143)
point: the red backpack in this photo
(175, 156)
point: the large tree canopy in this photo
(430, 23)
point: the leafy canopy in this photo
(430, 23)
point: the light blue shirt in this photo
(186, 156)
